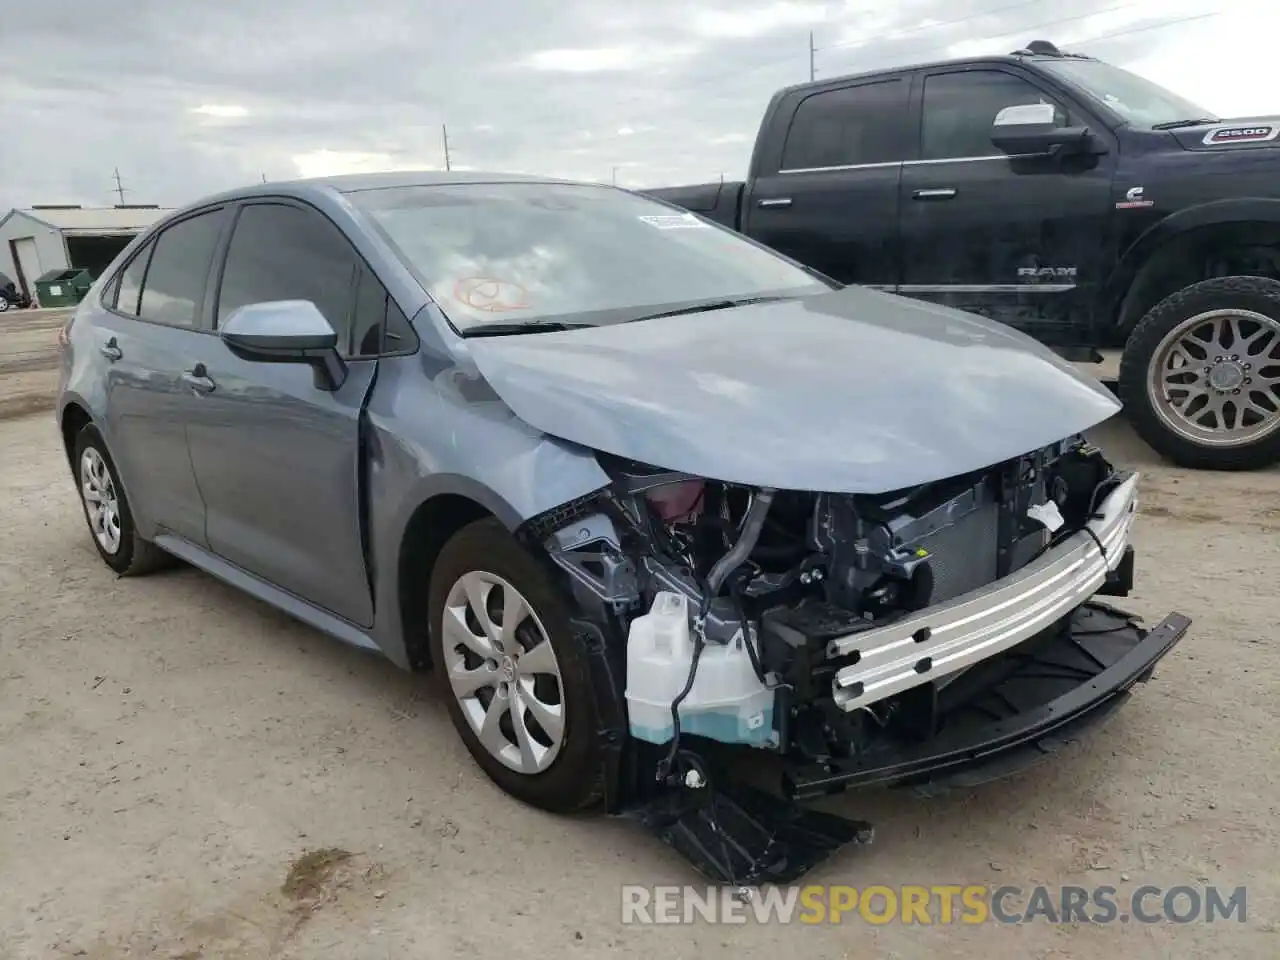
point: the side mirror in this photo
(286, 331)
(1031, 128)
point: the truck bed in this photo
(718, 201)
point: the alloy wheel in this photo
(502, 668)
(101, 502)
(1215, 377)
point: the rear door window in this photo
(174, 282)
(850, 126)
(128, 286)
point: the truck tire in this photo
(519, 694)
(1200, 375)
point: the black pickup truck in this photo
(1062, 195)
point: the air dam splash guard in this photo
(1004, 715)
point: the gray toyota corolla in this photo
(651, 499)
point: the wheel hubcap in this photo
(101, 503)
(503, 671)
(1215, 378)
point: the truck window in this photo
(847, 127)
(959, 109)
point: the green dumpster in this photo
(63, 288)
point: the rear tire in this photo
(1200, 375)
(541, 744)
(107, 511)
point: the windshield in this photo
(1136, 99)
(539, 253)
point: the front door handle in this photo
(937, 193)
(775, 202)
(198, 380)
(111, 350)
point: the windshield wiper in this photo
(711, 305)
(521, 326)
(1175, 124)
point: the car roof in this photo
(313, 187)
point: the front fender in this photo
(1212, 214)
(447, 434)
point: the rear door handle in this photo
(198, 380)
(937, 193)
(775, 202)
(111, 350)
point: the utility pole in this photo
(444, 135)
(120, 190)
(615, 176)
(812, 51)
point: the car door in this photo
(827, 194)
(1018, 239)
(148, 334)
(277, 457)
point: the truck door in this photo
(1018, 239)
(826, 186)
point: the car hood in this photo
(852, 391)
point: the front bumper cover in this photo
(1013, 711)
(971, 628)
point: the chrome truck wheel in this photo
(1200, 377)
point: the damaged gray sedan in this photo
(653, 502)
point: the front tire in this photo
(515, 677)
(1200, 375)
(107, 511)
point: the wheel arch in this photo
(1222, 238)
(72, 418)
(430, 525)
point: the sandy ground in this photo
(171, 750)
(28, 360)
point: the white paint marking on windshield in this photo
(683, 221)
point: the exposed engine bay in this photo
(942, 633)
(760, 595)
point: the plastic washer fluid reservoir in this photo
(727, 703)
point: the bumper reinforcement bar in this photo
(959, 633)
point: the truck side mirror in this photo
(1032, 129)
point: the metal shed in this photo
(35, 240)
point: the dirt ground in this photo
(186, 773)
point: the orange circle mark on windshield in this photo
(491, 294)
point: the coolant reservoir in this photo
(727, 703)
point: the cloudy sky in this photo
(188, 97)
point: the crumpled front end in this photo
(860, 638)
(820, 625)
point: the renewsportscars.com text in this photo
(936, 904)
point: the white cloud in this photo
(331, 163)
(1224, 63)
(740, 20)
(221, 111)
(588, 60)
